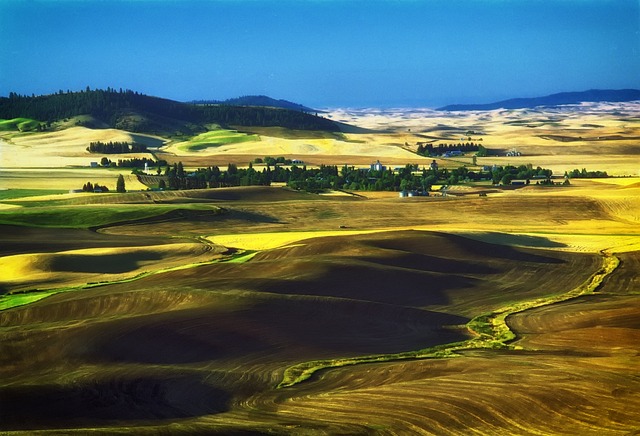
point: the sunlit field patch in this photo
(266, 241)
(21, 124)
(215, 138)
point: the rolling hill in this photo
(258, 100)
(593, 95)
(135, 112)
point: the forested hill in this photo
(136, 112)
(593, 95)
(258, 100)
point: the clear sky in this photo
(322, 53)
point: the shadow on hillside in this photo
(427, 263)
(274, 327)
(245, 215)
(107, 263)
(98, 403)
(522, 240)
(456, 248)
(374, 283)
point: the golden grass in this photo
(65, 179)
(268, 241)
(65, 148)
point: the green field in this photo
(216, 138)
(21, 124)
(10, 194)
(94, 216)
(15, 300)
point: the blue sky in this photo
(322, 53)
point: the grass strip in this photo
(303, 371)
(490, 330)
(216, 138)
(84, 217)
(20, 299)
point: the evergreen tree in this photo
(120, 184)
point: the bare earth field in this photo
(194, 312)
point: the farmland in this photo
(215, 138)
(265, 310)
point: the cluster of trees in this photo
(112, 106)
(116, 147)
(505, 175)
(347, 177)
(135, 162)
(431, 150)
(584, 174)
(263, 116)
(272, 161)
(94, 187)
(213, 177)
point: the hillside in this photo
(593, 95)
(190, 317)
(134, 112)
(258, 100)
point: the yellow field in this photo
(65, 148)
(77, 267)
(65, 179)
(268, 241)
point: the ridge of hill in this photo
(592, 95)
(135, 112)
(258, 100)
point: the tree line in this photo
(439, 149)
(584, 174)
(136, 162)
(116, 147)
(94, 187)
(325, 177)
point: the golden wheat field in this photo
(264, 310)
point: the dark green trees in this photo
(114, 107)
(120, 184)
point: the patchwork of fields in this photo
(199, 311)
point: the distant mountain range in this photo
(593, 95)
(258, 100)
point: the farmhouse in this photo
(452, 153)
(378, 166)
